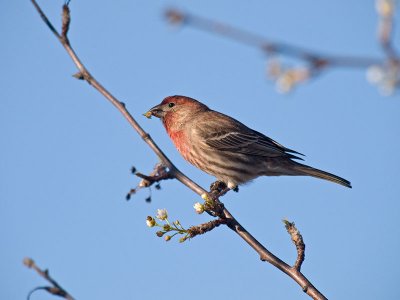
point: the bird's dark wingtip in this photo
(292, 156)
(343, 182)
(293, 152)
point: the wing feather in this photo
(230, 135)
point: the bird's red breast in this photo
(178, 137)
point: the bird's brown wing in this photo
(236, 137)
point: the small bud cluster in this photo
(199, 208)
(385, 8)
(286, 78)
(386, 77)
(168, 229)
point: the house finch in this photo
(225, 148)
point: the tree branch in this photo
(231, 222)
(54, 289)
(384, 72)
(318, 60)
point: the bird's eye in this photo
(171, 104)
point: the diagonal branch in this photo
(232, 223)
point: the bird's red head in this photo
(176, 105)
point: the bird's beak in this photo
(156, 111)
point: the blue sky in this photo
(66, 154)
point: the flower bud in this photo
(150, 221)
(167, 238)
(198, 207)
(385, 8)
(160, 233)
(375, 74)
(28, 262)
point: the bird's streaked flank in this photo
(225, 148)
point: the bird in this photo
(226, 148)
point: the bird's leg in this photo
(214, 207)
(219, 188)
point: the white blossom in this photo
(198, 207)
(162, 214)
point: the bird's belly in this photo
(229, 167)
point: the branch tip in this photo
(66, 20)
(79, 75)
(175, 17)
(28, 262)
(297, 240)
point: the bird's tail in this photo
(301, 169)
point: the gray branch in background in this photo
(382, 72)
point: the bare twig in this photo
(158, 174)
(297, 240)
(318, 60)
(385, 72)
(385, 10)
(231, 222)
(55, 289)
(66, 21)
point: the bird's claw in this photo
(217, 186)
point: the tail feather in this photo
(309, 171)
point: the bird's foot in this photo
(218, 186)
(234, 187)
(219, 189)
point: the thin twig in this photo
(205, 227)
(66, 21)
(297, 240)
(55, 289)
(385, 10)
(158, 174)
(232, 223)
